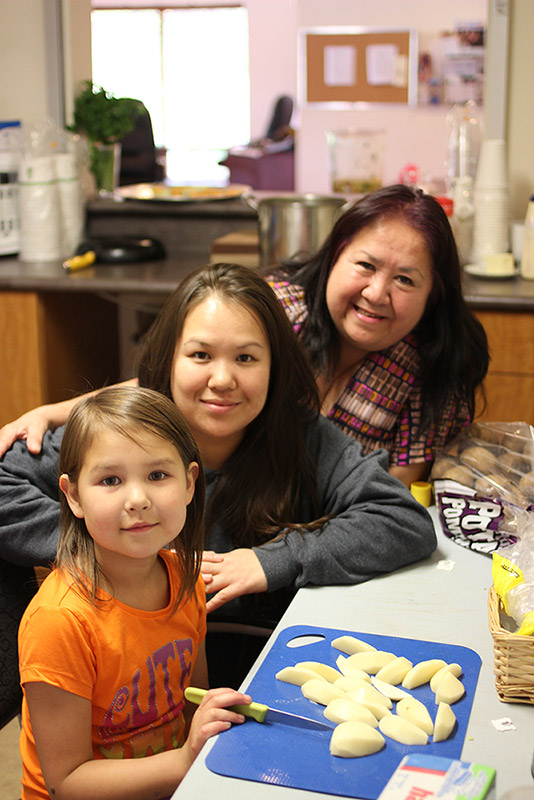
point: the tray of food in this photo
(164, 193)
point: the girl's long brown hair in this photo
(262, 485)
(129, 412)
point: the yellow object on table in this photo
(80, 262)
(422, 491)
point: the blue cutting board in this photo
(299, 758)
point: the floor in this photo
(10, 768)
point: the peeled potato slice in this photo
(413, 710)
(353, 739)
(350, 682)
(375, 706)
(435, 679)
(351, 645)
(370, 661)
(320, 691)
(422, 672)
(345, 668)
(367, 692)
(324, 670)
(393, 692)
(445, 722)
(395, 670)
(296, 675)
(342, 709)
(449, 689)
(402, 730)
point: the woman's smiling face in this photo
(220, 375)
(378, 288)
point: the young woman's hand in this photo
(230, 575)
(212, 717)
(31, 426)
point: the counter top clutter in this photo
(437, 608)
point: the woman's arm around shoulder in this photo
(29, 502)
(32, 425)
(374, 525)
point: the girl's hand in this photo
(230, 575)
(212, 717)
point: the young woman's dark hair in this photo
(262, 482)
(451, 341)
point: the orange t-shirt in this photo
(132, 665)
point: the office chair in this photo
(17, 587)
(282, 112)
(139, 155)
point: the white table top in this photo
(419, 602)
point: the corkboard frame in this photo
(313, 91)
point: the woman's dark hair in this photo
(451, 341)
(262, 483)
(130, 412)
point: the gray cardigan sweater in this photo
(375, 525)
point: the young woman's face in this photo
(132, 493)
(378, 287)
(220, 375)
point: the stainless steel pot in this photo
(292, 224)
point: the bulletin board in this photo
(344, 66)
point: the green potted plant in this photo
(104, 119)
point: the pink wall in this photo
(413, 134)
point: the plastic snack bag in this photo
(513, 576)
(483, 482)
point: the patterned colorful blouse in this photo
(380, 405)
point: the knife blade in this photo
(262, 713)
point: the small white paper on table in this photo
(339, 67)
(381, 64)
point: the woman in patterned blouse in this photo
(397, 354)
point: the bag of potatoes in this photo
(483, 481)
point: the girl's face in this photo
(132, 493)
(379, 286)
(220, 375)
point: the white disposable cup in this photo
(516, 235)
(64, 166)
(491, 169)
(36, 170)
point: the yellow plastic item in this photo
(422, 492)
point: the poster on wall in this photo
(451, 65)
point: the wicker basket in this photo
(514, 658)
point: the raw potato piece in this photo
(351, 645)
(445, 722)
(416, 712)
(371, 661)
(402, 730)
(449, 690)
(422, 672)
(342, 710)
(320, 691)
(353, 739)
(376, 707)
(393, 692)
(350, 682)
(324, 670)
(395, 671)
(345, 668)
(435, 679)
(296, 675)
(367, 693)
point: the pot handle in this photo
(250, 200)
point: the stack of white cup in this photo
(40, 227)
(491, 225)
(70, 201)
